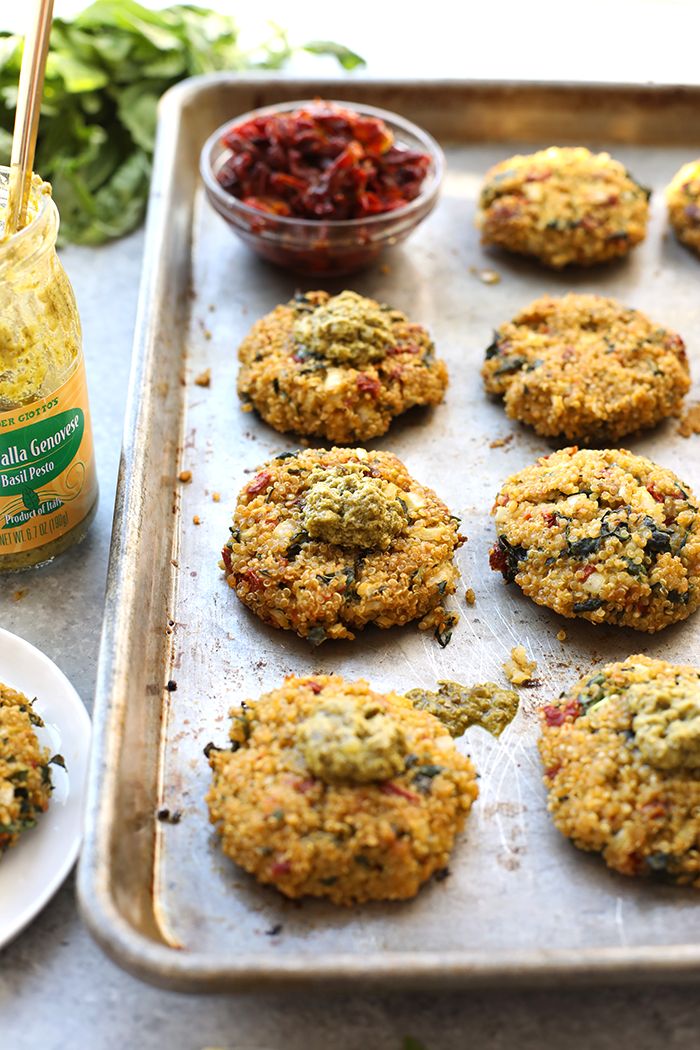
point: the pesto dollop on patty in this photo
(331, 789)
(583, 367)
(346, 329)
(353, 509)
(601, 534)
(338, 367)
(347, 739)
(563, 206)
(621, 752)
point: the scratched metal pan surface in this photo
(520, 904)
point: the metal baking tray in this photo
(521, 904)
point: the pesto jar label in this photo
(47, 471)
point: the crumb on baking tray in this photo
(501, 442)
(519, 670)
(486, 276)
(204, 378)
(168, 816)
(185, 476)
(690, 422)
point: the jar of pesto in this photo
(48, 485)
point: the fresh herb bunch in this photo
(106, 70)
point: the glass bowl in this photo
(323, 247)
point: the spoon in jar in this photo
(31, 86)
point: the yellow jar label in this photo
(47, 467)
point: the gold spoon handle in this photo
(31, 85)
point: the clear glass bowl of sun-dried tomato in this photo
(319, 187)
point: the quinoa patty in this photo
(683, 199)
(621, 752)
(338, 367)
(563, 205)
(25, 779)
(333, 790)
(582, 367)
(326, 541)
(601, 534)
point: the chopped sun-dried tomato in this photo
(226, 558)
(655, 493)
(498, 560)
(654, 810)
(320, 162)
(674, 342)
(538, 175)
(368, 384)
(555, 715)
(259, 483)
(253, 580)
(404, 348)
(390, 788)
(268, 204)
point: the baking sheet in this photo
(520, 902)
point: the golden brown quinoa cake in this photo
(683, 199)
(25, 779)
(337, 367)
(333, 790)
(583, 367)
(621, 752)
(601, 534)
(326, 541)
(563, 205)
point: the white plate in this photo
(32, 871)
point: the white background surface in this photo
(634, 40)
(57, 990)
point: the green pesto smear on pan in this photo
(459, 706)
